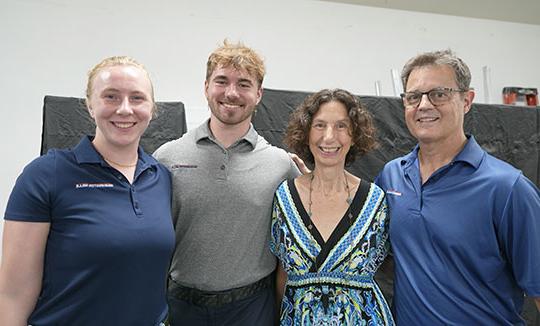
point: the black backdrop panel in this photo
(507, 132)
(66, 120)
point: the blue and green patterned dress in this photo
(331, 283)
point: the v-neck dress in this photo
(331, 283)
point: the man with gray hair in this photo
(465, 226)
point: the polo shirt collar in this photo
(471, 153)
(204, 132)
(85, 152)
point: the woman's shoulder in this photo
(44, 163)
(302, 181)
(372, 188)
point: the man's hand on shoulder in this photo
(300, 163)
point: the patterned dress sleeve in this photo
(275, 234)
(383, 243)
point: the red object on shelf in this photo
(532, 99)
(520, 96)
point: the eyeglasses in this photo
(436, 96)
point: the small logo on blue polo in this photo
(183, 166)
(93, 185)
(393, 192)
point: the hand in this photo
(300, 163)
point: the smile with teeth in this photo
(329, 149)
(231, 106)
(124, 125)
(427, 119)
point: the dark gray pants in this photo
(259, 309)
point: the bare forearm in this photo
(12, 312)
(21, 270)
(537, 300)
(281, 279)
(17, 299)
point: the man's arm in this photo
(521, 237)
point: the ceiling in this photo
(517, 11)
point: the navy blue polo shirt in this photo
(110, 242)
(466, 243)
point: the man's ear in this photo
(206, 89)
(259, 94)
(468, 100)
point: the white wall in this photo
(47, 46)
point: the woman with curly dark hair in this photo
(330, 228)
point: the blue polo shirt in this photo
(110, 242)
(466, 243)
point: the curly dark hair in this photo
(362, 129)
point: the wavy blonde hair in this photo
(237, 56)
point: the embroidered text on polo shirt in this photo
(183, 166)
(93, 185)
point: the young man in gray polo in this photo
(224, 178)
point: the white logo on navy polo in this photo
(93, 185)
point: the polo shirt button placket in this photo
(135, 201)
(223, 166)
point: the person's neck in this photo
(329, 179)
(125, 156)
(226, 134)
(433, 156)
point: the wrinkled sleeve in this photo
(293, 170)
(520, 233)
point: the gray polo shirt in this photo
(222, 202)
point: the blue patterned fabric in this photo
(331, 283)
